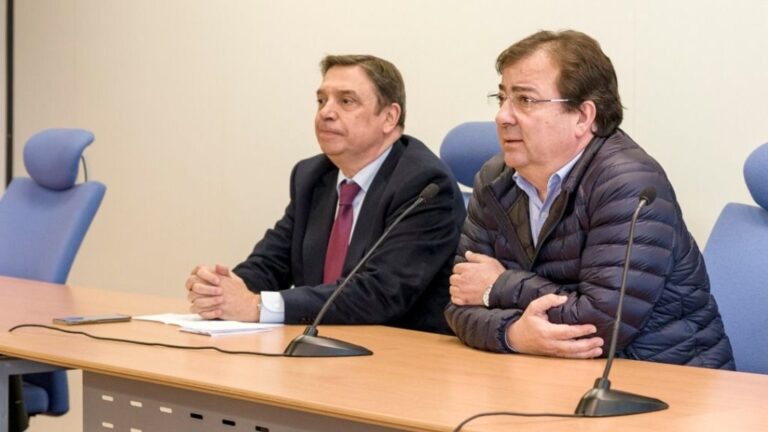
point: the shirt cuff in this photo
(509, 345)
(272, 307)
(504, 333)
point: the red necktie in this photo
(338, 242)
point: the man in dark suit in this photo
(341, 202)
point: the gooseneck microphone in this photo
(601, 400)
(310, 344)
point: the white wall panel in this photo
(201, 107)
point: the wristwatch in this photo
(487, 296)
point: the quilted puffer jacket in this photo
(669, 314)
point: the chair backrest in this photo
(736, 257)
(43, 220)
(466, 148)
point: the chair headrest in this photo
(756, 175)
(467, 147)
(52, 156)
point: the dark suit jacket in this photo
(404, 283)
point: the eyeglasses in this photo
(521, 102)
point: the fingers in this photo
(190, 281)
(468, 282)
(462, 294)
(207, 275)
(533, 333)
(203, 289)
(463, 267)
(192, 295)
(565, 331)
(213, 314)
(455, 292)
(563, 340)
(572, 333)
(597, 352)
(207, 303)
(475, 257)
(458, 301)
(581, 348)
(544, 303)
(222, 270)
(455, 288)
(205, 294)
(207, 307)
(472, 260)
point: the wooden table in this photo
(414, 381)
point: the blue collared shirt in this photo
(272, 303)
(538, 210)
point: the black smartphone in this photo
(92, 319)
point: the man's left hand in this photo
(533, 333)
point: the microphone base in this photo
(318, 346)
(602, 401)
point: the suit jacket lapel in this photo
(322, 211)
(368, 226)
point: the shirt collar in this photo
(365, 176)
(562, 173)
(554, 180)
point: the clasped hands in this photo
(532, 333)
(218, 293)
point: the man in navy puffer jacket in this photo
(541, 254)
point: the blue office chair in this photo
(43, 220)
(466, 148)
(738, 268)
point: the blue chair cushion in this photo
(35, 399)
(56, 389)
(52, 156)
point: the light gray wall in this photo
(201, 107)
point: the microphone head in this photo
(429, 192)
(648, 195)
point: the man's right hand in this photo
(534, 334)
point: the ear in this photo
(585, 123)
(392, 117)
